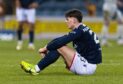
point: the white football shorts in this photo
(81, 66)
(112, 10)
(26, 15)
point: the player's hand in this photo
(18, 5)
(119, 3)
(33, 5)
(43, 51)
(42, 55)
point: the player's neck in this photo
(77, 25)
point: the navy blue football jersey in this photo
(26, 3)
(84, 41)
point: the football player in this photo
(111, 12)
(81, 60)
(26, 12)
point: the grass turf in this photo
(109, 72)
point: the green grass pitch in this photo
(109, 72)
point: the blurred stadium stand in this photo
(50, 16)
(59, 7)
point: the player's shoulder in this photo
(84, 28)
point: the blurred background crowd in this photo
(58, 7)
(50, 9)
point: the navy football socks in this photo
(49, 58)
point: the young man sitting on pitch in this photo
(81, 60)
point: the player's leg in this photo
(49, 58)
(31, 14)
(76, 63)
(120, 28)
(105, 28)
(20, 19)
(19, 35)
(68, 55)
(31, 36)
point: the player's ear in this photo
(66, 20)
(74, 20)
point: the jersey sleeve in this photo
(39, 1)
(63, 40)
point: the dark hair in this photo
(74, 13)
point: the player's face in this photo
(70, 22)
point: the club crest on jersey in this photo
(85, 29)
(75, 46)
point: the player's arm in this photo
(34, 5)
(119, 3)
(61, 41)
(43, 51)
(18, 4)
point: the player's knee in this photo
(61, 48)
(120, 22)
(31, 27)
(20, 28)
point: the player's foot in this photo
(31, 46)
(120, 42)
(29, 68)
(19, 45)
(106, 44)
